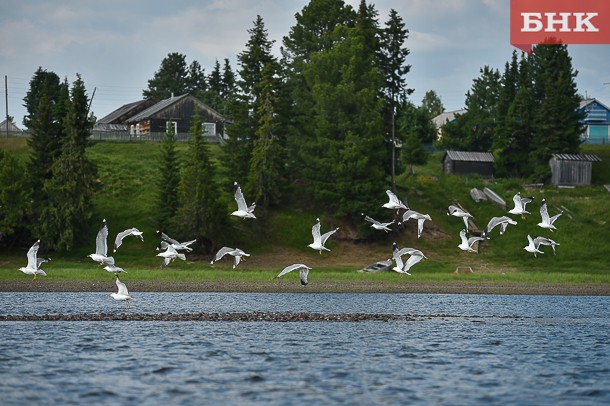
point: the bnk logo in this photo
(559, 22)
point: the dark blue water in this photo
(557, 352)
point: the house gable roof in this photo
(447, 116)
(11, 127)
(156, 110)
(120, 115)
(467, 156)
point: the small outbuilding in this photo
(572, 169)
(463, 162)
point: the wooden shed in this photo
(463, 162)
(572, 169)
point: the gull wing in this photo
(101, 245)
(408, 251)
(167, 238)
(303, 275)
(544, 213)
(122, 288)
(239, 199)
(315, 233)
(555, 217)
(291, 268)
(325, 236)
(525, 201)
(119, 237)
(32, 255)
(222, 252)
(370, 219)
(40, 261)
(413, 259)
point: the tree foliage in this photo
(169, 180)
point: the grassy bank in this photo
(279, 237)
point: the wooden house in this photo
(444, 118)
(9, 129)
(463, 162)
(572, 169)
(116, 121)
(179, 111)
(596, 120)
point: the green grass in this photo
(126, 198)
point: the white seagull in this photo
(377, 224)
(170, 254)
(532, 247)
(101, 246)
(116, 270)
(123, 294)
(520, 203)
(320, 240)
(395, 202)
(502, 221)
(455, 211)
(412, 214)
(303, 272)
(33, 266)
(547, 222)
(538, 241)
(406, 251)
(243, 210)
(404, 267)
(467, 243)
(119, 237)
(235, 252)
(178, 246)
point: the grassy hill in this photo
(279, 237)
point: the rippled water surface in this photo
(462, 349)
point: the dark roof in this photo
(469, 156)
(577, 157)
(154, 109)
(122, 111)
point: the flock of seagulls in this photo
(171, 249)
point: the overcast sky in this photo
(118, 45)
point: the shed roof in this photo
(469, 156)
(577, 157)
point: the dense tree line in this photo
(331, 115)
(522, 115)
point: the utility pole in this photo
(6, 98)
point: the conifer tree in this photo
(13, 197)
(70, 188)
(169, 170)
(200, 214)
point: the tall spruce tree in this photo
(200, 214)
(172, 77)
(169, 180)
(394, 68)
(70, 188)
(13, 198)
(555, 90)
(343, 159)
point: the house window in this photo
(209, 129)
(169, 125)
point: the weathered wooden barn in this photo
(179, 111)
(463, 162)
(572, 169)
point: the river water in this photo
(457, 350)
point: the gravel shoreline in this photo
(325, 287)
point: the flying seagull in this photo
(394, 202)
(404, 267)
(531, 246)
(101, 246)
(377, 225)
(502, 221)
(320, 240)
(119, 237)
(455, 211)
(33, 266)
(178, 246)
(235, 252)
(538, 241)
(406, 251)
(467, 243)
(170, 254)
(520, 203)
(122, 294)
(547, 222)
(116, 270)
(412, 214)
(243, 210)
(303, 272)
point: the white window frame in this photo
(175, 126)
